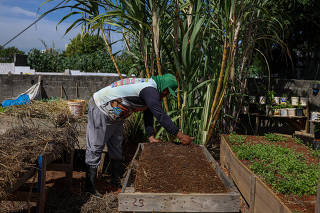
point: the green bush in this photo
(98, 61)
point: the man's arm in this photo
(152, 99)
(148, 124)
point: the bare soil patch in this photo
(171, 168)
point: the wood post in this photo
(42, 164)
(77, 92)
(252, 193)
(70, 170)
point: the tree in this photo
(84, 45)
(7, 54)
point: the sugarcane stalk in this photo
(110, 52)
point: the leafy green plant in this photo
(298, 140)
(274, 137)
(236, 139)
(316, 153)
(284, 169)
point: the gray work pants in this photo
(101, 131)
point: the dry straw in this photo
(21, 146)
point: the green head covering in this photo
(166, 81)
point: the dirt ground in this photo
(60, 199)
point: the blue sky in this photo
(15, 15)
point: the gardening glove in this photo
(184, 139)
(152, 139)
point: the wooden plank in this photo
(125, 182)
(252, 193)
(317, 210)
(240, 174)
(176, 202)
(23, 196)
(65, 167)
(226, 181)
(23, 179)
(267, 201)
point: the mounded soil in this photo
(305, 204)
(171, 168)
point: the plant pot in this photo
(283, 100)
(291, 112)
(262, 100)
(284, 112)
(304, 101)
(316, 144)
(299, 112)
(276, 112)
(276, 100)
(294, 101)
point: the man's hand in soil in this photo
(152, 139)
(184, 139)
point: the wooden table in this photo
(298, 122)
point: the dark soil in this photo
(171, 168)
(296, 203)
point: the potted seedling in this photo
(276, 110)
(283, 110)
(291, 110)
(299, 110)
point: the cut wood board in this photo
(257, 194)
(131, 201)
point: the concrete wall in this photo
(6, 67)
(13, 85)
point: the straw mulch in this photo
(55, 111)
(21, 146)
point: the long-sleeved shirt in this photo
(122, 98)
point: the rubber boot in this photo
(90, 184)
(116, 175)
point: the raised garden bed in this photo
(165, 177)
(273, 173)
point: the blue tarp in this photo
(21, 100)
